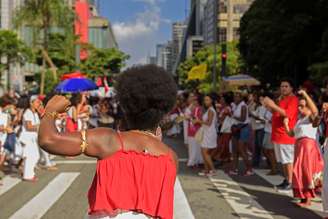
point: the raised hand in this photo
(57, 104)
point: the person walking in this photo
(283, 143)
(28, 138)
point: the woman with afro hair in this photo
(135, 172)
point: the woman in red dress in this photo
(135, 172)
(308, 162)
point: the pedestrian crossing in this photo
(242, 194)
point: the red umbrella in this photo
(76, 74)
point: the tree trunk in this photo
(43, 76)
(8, 74)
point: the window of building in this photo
(223, 8)
(222, 34)
(236, 33)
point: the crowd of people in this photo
(284, 130)
(19, 123)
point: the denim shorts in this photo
(244, 134)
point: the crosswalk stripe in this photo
(8, 183)
(182, 208)
(277, 179)
(39, 205)
(239, 200)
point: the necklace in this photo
(144, 132)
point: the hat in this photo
(33, 97)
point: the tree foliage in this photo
(103, 62)
(284, 38)
(13, 50)
(206, 56)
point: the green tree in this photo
(13, 50)
(41, 16)
(206, 56)
(284, 38)
(103, 62)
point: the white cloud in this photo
(138, 37)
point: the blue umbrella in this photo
(76, 85)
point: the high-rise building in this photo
(164, 56)
(178, 30)
(229, 13)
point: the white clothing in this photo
(194, 152)
(268, 121)
(236, 112)
(284, 153)
(125, 215)
(30, 144)
(210, 134)
(4, 118)
(305, 129)
(226, 125)
(45, 157)
(187, 112)
(31, 154)
(325, 178)
(259, 112)
(175, 128)
(34, 119)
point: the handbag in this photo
(199, 135)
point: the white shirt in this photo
(34, 119)
(4, 117)
(304, 128)
(259, 112)
(236, 112)
(268, 121)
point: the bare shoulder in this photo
(104, 139)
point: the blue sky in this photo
(141, 24)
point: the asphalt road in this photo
(62, 194)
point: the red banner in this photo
(81, 24)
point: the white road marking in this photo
(182, 209)
(239, 200)
(277, 179)
(8, 182)
(39, 205)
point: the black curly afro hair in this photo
(146, 93)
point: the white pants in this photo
(125, 215)
(45, 158)
(195, 154)
(32, 156)
(325, 178)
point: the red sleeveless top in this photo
(133, 181)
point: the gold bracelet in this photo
(84, 143)
(53, 115)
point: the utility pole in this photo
(215, 43)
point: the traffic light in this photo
(224, 57)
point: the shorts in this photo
(284, 153)
(267, 143)
(244, 134)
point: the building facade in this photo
(178, 30)
(164, 56)
(227, 21)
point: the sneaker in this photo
(286, 189)
(233, 172)
(249, 173)
(282, 185)
(202, 173)
(211, 173)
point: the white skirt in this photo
(125, 215)
(195, 155)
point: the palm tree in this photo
(41, 16)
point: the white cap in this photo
(33, 97)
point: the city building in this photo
(193, 31)
(151, 60)
(164, 56)
(229, 13)
(178, 30)
(99, 34)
